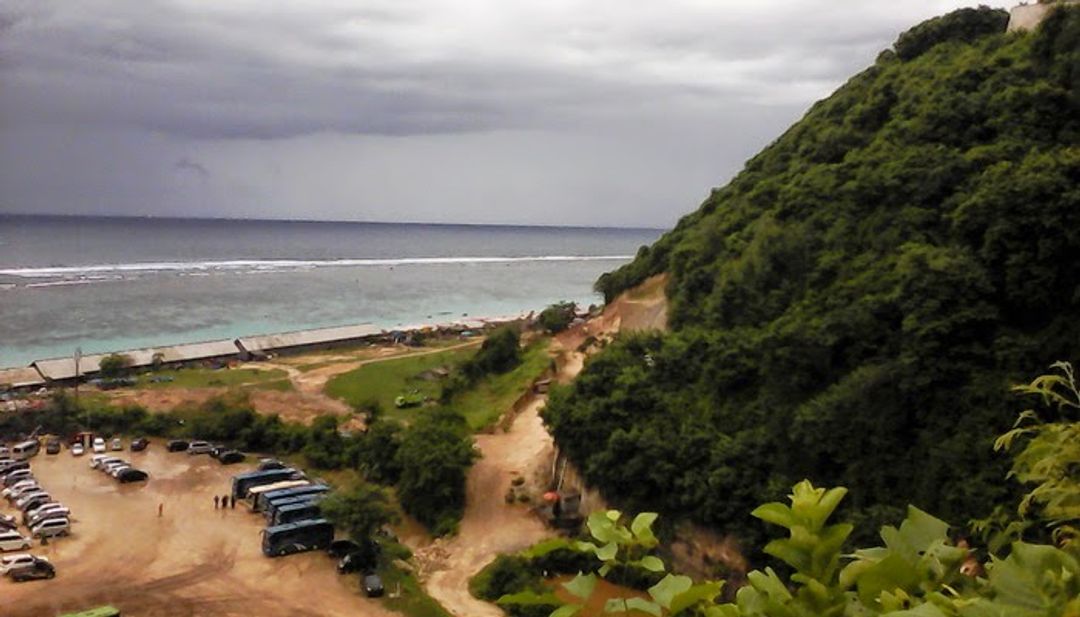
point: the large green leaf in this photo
(581, 585)
(652, 563)
(670, 586)
(698, 593)
(643, 605)
(642, 528)
(567, 610)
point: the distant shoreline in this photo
(183, 220)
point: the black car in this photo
(132, 475)
(267, 464)
(138, 445)
(340, 548)
(32, 572)
(177, 445)
(230, 457)
(373, 586)
(52, 447)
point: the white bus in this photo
(252, 496)
(25, 450)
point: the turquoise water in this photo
(112, 284)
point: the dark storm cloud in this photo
(704, 83)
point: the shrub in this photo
(114, 365)
(557, 317)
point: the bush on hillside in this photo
(435, 455)
(557, 317)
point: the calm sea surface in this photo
(108, 284)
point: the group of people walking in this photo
(225, 501)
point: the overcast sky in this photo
(590, 112)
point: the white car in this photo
(41, 517)
(13, 541)
(115, 471)
(20, 560)
(111, 465)
(99, 445)
(78, 450)
(51, 527)
(18, 487)
(15, 496)
(117, 444)
(200, 447)
(99, 461)
(27, 498)
(51, 506)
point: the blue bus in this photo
(311, 489)
(309, 535)
(242, 482)
(277, 504)
(296, 512)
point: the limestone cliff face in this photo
(1028, 16)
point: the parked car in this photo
(46, 515)
(340, 548)
(177, 445)
(51, 528)
(77, 450)
(138, 445)
(99, 445)
(115, 471)
(117, 444)
(20, 486)
(132, 475)
(13, 541)
(38, 570)
(10, 562)
(199, 447)
(38, 513)
(231, 457)
(23, 501)
(373, 586)
(100, 460)
(52, 446)
(7, 520)
(267, 464)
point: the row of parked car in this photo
(224, 454)
(43, 516)
(117, 468)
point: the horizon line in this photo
(151, 217)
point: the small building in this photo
(23, 378)
(322, 338)
(64, 370)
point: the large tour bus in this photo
(275, 504)
(242, 482)
(254, 492)
(297, 537)
(25, 450)
(263, 499)
(296, 512)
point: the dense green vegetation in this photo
(852, 305)
(557, 317)
(114, 365)
(489, 398)
(919, 570)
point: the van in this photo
(13, 541)
(25, 450)
(51, 528)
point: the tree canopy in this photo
(851, 307)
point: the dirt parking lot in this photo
(192, 561)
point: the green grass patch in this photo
(490, 397)
(384, 381)
(211, 378)
(413, 601)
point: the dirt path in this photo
(491, 526)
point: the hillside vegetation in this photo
(853, 305)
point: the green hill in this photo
(853, 305)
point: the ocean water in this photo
(106, 284)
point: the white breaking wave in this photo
(280, 264)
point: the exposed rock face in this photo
(1029, 16)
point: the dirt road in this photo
(193, 561)
(491, 526)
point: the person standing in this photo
(215, 502)
(232, 502)
(160, 509)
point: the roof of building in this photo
(64, 368)
(270, 342)
(20, 377)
